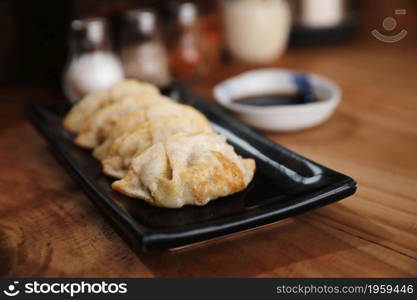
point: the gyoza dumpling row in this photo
(165, 153)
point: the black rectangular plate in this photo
(285, 184)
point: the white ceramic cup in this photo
(256, 31)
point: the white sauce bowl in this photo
(280, 117)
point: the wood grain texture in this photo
(49, 228)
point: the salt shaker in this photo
(92, 64)
(143, 53)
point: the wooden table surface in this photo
(48, 227)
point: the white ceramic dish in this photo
(280, 117)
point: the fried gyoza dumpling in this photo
(162, 110)
(186, 169)
(130, 87)
(136, 141)
(76, 118)
(98, 127)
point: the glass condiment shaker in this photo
(186, 45)
(256, 31)
(92, 65)
(143, 53)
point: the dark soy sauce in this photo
(276, 99)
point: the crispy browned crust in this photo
(194, 181)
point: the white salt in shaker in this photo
(92, 65)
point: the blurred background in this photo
(78, 46)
